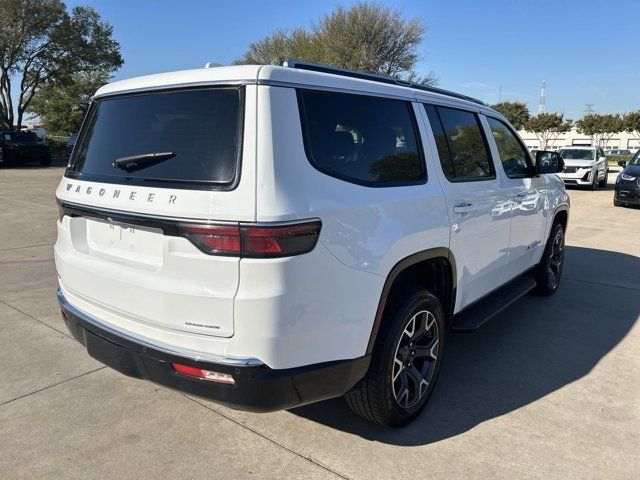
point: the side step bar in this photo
(476, 315)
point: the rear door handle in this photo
(463, 208)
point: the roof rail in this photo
(318, 67)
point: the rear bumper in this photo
(257, 387)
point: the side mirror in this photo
(622, 163)
(548, 162)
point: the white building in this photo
(622, 140)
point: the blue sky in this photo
(587, 51)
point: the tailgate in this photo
(146, 276)
(145, 163)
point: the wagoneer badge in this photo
(116, 193)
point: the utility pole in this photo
(589, 109)
(499, 93)
(542, 107)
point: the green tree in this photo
(631, 123)
(40, 43)
(366, 37)
(280, 46)
(600, 128)
(62, 104)
(547, 127)
(516, 112)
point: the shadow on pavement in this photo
(533, 348)
(611, 186)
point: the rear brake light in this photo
(210, 375)
(214, 239)
(254, 241)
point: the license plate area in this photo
(124, 242)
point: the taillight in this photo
(214, 239)
(254, 241)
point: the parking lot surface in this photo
(550, 388)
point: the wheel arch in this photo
(434, 268)
(561, 214)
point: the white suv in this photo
(270, 236)
(584, 166)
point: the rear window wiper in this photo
(136, 162)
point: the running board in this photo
(477, 314)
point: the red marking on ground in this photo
(26, 261)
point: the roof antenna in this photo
(213, 65)
(543, 107)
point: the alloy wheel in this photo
(415, 359)
(556, 258)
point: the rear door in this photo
(479, 207)
(122, 246)
(527, 194)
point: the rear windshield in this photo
(198, 133)
(576, 154)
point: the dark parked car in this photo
(628, 183)
(617, 153)
(22, 147)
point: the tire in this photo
(603, 183)
(594, 183)
(7, 159)
(549, 271)
(45, 162)
(402, 375)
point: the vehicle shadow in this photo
(611, 186)
(536, 346)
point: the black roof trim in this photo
(317, 67)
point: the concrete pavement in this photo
(548, 389)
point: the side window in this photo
(441, 141)
(361, 139)
(467, 148)
(513, 155)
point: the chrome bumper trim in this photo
(192, 355)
